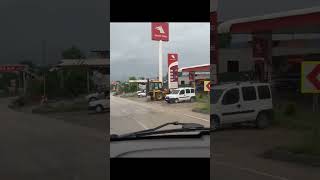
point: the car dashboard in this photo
(165, 148)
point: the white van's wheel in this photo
(176, 100)
(192, 99)
(99, 109)
(262, 121)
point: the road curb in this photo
(283, 155)
(200, 111)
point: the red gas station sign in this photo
(259, 47)
(173, 70)
(160, 31)
(11, 68)
(191, 76)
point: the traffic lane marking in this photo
(161, 109)
(142, 125)
(250, 170)
(196, 117)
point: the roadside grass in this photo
(202, 108)
(305, 123)
(202, 97)
(202, 104)
(296, 119)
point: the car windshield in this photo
(175, 91)
(215, 95)
(170, 96)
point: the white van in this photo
(241, 102)
(181, 94)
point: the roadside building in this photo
(97, 69)
(194, 76)
(288, 39)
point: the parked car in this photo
(245, 102)
(96, 96)
(99, 105)
(142, 94)
(181, 95)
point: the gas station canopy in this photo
(294, 21)
(138, 81)
(198, 68)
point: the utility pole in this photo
(44, 52)
(44, 62)
(160, 61)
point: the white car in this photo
(95, 96)
(244, 102)
(142, 94)
(181, 95)
(99, 105)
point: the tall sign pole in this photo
(160, 61)
(44, 62)
(214, 56)
(160, 32)
(24, 83)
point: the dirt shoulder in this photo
(243, 148)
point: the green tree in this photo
(132, 86)
(72, 53)
(76, 82)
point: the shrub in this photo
(290, 109)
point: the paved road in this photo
(127, 115)
(236, 155)
(38, 147)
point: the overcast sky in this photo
(62, 23)
(25, 23)
(133, 53)
(230, 9)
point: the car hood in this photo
(162, 148)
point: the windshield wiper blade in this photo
(186, 127)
